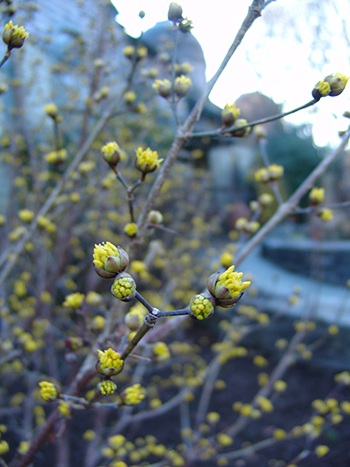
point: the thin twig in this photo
(287, 207)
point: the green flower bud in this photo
(124, 287)
(202, 306)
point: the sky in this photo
(278, 68)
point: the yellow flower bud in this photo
(316, 195)
(124, 287)
(227, 288)
(109, 363)
(182, 85)
(107, 387)
(14, 36)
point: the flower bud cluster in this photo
(109, 260)
(124, 287)
(243, 225)
(223, 289)
(49, 391)
(332, 85)
(133, 395)
(111, 154)
(147, 161)
(227, 288)
(109, 363)
(14, 36)
(316, 196)
(268, 174)
(129, 52)
(107, 387)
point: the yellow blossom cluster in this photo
(134, 394)
(14, 36)
(201, 307)
(102, 252)
(57, 157)
(161, 351)
(147, 160)
(130, 229)
(229, 114)
(110, 359)
(124, 287)
(74, 300)
(270, 173)
(232, 281)
(107, 387)
(48, 391)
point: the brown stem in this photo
(254, 123)
(5, 57)
(146, 326)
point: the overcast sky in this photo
(281, 68)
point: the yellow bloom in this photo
(64, 408)
(227, 287)
(48, 391)
(201, 306)
(110, 359)
(229, 114)
(56, 157)
(275, 171)
(109, 260)
(259, 360)
(280, 386)
(26, 215)
(316, 195)
(182, 85)
(116, 441)
(14, 36)
(262, 175)
(86, 167)
(4, 447)
(161, 351)
(147, 161)
(321, 89)
(279, 433)
(124, 287)
(130, 229)
(163, 87)
(213, 417)
(265, 404)
(326, 215)
(332, 85)
(226, 259)
(74, 300)
(111, 153)
(138, 266)
(134, 394)
(98, 323)
(337, 83)
(51, 110)
(89, 435)
(224, 440)
(107, 387)
(265, 199)
(129, 97)
(321, 450)
(141, 52)
(129, 51)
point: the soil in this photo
(307, 380)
